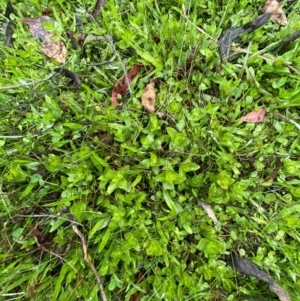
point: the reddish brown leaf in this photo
(122, 85)
(255, 116)
(53, 49)
(273, 7)
(135, 297)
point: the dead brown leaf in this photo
(55, 50)
(122, 85)
(278, 15)
(209, 212)
(282, 294)
(50, 47)
(148, 98)
(255, 116)
(249, 268)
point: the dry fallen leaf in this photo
(255, 116)
(249, 268)
(282, 294)
(278, 15)
(209, 212)
(53, 49)
(122, 85)
(148, 98)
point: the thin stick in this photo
(28, 84)
(97, 8)
(85, 251)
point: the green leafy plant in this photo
(134, 181)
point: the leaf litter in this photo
(248, 268)
(123, 84)
(148, 98)
(209, 212)
(50, 47)
(277, 14)
(255, 116)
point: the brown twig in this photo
(97, 8)
(85, 251)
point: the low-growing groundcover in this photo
(133, 181)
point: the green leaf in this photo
(27, 190)
(291, 167)
(153, 248)
(101, 224)
(130, 147)
(15, 173)
(98, 161)
(179, 140)
(155, 61)
(169, 201)
(58, 283)
(73, 126)
(53, 163)
(104, 240)
(170, 176)
(212, 247)
(296, 192)
(189, 166)
(224, 180)
(53, 107)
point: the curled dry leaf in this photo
(53, 49)
(122, 85)
(255, 116)
(209, 212)
(278, 15)
(148, 98)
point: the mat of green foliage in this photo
(133, 181)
